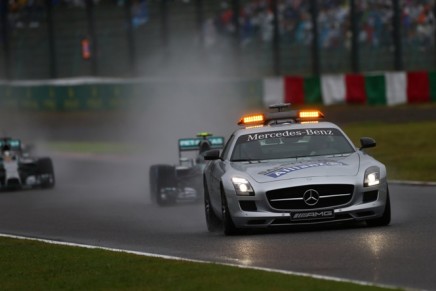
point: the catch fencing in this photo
(55, 39)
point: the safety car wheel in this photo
(228, 225)
(385, 219)
(45, 167)
(212, 221)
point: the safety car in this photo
(19, 169)
(170, 184)
(290, 167)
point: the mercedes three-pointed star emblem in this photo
(311, 197)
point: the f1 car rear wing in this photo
(10, 144)
(193, 144)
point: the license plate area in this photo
(312, 215)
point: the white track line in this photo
(329, 278)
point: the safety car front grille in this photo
(310, 196)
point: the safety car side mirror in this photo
(212, 155)
(367, 142)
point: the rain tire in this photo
(228, 225)
(385, 219)
(212, 221)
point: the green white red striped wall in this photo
(387, 88)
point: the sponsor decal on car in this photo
(283, 170)
(292, 133)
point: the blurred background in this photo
(153, 70)
(51, 39)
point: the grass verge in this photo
(36, 265)
(407, 149)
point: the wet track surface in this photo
(113, 209)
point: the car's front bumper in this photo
(256, 211)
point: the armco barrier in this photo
(106, 94)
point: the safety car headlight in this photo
(372, 177)
(242, 186)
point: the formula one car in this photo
(20, 170)
(289, 168)
(184, 182)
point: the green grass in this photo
(407, 149)
(33, 265)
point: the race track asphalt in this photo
(106, 203)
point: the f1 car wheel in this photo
(153, 174)
(228, 225)
(212, 221)
(164, 184)
(385, 219)
(46, 172)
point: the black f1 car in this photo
(170, 184)
(20, 170)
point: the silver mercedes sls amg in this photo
(290, 168)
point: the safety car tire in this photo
(212, 221)
(385, 219)
(228, 225)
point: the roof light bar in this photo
(309, 114)
(292, 116)
(252, 119)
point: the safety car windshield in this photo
(290, 144)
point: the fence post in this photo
(315, 38)
(276, 39)
(164, 25)
(92, 36)
(200, 20)
(4, 9)
(130, 38)
(398, 48)
(355, 18)
(237, 36)
(51, 43)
